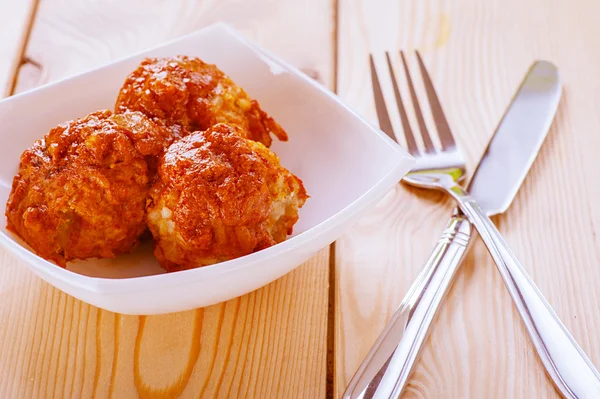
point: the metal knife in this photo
(512, 150)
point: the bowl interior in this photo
(337, 155)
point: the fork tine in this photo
(382, 114)
(411, 144)
(429, 148)
(441, 124)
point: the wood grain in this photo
(272, 342)
(268, 344)
(477, 53)
(16, 18)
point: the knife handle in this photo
(569, 368)
(387, 366)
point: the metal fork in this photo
(385, 371)
(388, 365)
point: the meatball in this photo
(151, 137)
(81, 190)
(187, 92)
(219, 196)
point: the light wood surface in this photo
(477, 52)
(273, 343)
(16, 18)
(269, 344)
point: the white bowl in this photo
(345, 163)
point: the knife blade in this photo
(517, 140)
(386, 369)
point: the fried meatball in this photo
(187, 92)
(219, 196)
(151, 137)
(81, 190)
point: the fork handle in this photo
(566, 363)
(385, 370)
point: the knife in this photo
(512, 150)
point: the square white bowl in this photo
(345, 163)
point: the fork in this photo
(387, 367)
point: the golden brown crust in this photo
(81, 191)
(187, 92)
(219, 196)
(151, 137)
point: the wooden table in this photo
(304, 335)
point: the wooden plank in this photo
(270, 343)
(15, 21)
(477, 53)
